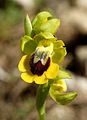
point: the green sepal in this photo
(58, 44)
(44, 22)
(27, 26)
(59, 54)
(27, 44)
(59, 51)
(63, 98)
(58, 86)
(41, 18)
(50, 26)
(63, 74)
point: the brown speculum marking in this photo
(38, 68)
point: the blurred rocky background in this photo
(17, 98)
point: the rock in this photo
(83, 113)
(6, 111)
(81, 54)
(4, 76)
(80, 20)
(27, 4)
(79, 84)
(61, 113)
(81, 3)
(16, 72)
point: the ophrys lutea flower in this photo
(39, 65)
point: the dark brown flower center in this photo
(38, 68)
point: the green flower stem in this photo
(42, 113)
(42, 93)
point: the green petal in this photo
(47, 35)
(44, 35)
(45, 43)
(50, 26)
(27, 25)
(63, 98)
(28, 45)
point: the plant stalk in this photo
(42, 93)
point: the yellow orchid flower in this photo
(43, 52)
(59, 86)
(38, 66)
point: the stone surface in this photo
(81, 55)
(81, 3)
(79, 84)
(61, 113)
(4, 76)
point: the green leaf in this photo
(28, 45)
(27, 26)
(63, 98)
(50, 26)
